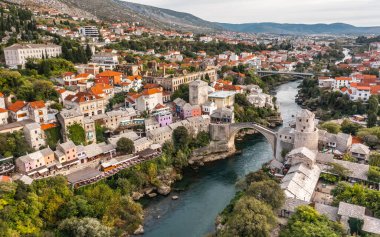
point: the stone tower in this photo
(198, 92)
(306, 134)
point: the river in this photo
(210, 188)
(347, 56)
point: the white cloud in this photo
(356, 12)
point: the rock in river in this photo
(136, 195)
(139, 230)
(164, 190)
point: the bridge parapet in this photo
(227, 133)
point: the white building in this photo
(2, 101)
(108, 60)
(149, 99)
(342, 82)
(34, 136)
(17, 54)
(89, 31)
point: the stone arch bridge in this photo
(225, 133)
(295, 75)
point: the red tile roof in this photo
(99, 88)
(343, 79)
(82, 97)
(152, 91)
(16, 106)
(37, 104)
(48, 126)
(109, 74)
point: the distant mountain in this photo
(168, 19)
(277, 28)
(148, 15)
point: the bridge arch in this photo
(270, 135)
(296, 75)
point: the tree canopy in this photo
(76, 134)
(181, 137)
(250, 218)
(307, 222)
(125, 145)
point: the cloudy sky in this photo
(357, 12)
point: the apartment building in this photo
(34, 135)
(17, 54)
(171, 84)
(89, 104)
(89, 31)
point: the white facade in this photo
(148, 101)
(34, 136)
(342, 82)
(89, 31)
(2, 101)
(17, 54)
(360, 93)
(3, 116)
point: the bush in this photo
(125, 145)
(331, 127)
(329, 178)
(77, 134)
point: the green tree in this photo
(88, 52)
(339, 169)
(267, 191)
(374, 159)
(125, 145)
(348, 157)
(374, 174)
(372, 120)
(250, 218)
(100, 131)
(349, 127)
(331, 127)
(85, 227)
(307, 222)
(373, 104)
(182, 92)
(76, 134)
(53, 136)
(357, 194)
(202, 139)
(181, 138)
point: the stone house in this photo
(34, 135)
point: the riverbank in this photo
(204, 192)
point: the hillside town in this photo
(122, 108)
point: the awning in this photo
(44, 170)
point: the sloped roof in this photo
(360, 148)
(329, 211)
(109, 74)
(37, 104)
(305, 152)
(350, 210)
(16, 106)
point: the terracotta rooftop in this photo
(109, 74)
(16, 106)
(37, 104)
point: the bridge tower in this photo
(306, 134)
